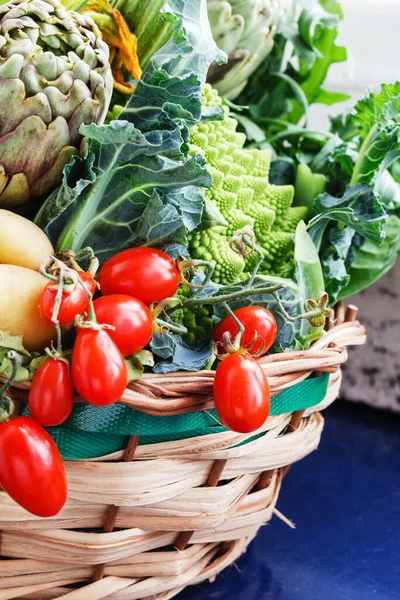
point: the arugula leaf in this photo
(318, 27)
(290, 80)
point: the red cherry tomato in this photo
(241, 393)
(51, 395)
(131, 319)
(31, 468)
(72, 303)
(144, 273)
(98, 370)
(254, 319)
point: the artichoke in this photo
(245, 30)
(54, 77)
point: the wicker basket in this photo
(155, 518)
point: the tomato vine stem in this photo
(6, 404)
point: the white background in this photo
(371, 32)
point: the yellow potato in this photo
(20, 289)
(22, 242)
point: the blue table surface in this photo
(345, 502)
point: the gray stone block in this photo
(372, 374)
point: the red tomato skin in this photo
(51, 397)
(98, 369)
(241, 393)
(31, 468)
(72, 304)
(144, 273)
(131, 319)
(254, 319)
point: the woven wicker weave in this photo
(147, 522)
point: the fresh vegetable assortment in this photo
(187, 232)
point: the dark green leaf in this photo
(163, 345)
(186, 358)
(282, 172)
(211, 217)
(141, 162)
(335, 258)
(358, 208)
(370, 261)
(251, 129)
(159, 225)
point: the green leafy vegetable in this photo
(308, 186)
(378, 119)
(290, 80)
(372, 261)
(138, 185)
(358, 208)
(136, 364)
(184, 357)
(333, 231)
(30, 362)
(12, 342)
(310, 280)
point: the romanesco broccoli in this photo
(241, 192)
(198, 321)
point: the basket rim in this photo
(184, 392)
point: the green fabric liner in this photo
(93, 431)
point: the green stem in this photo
(257, 266)
(209, 271)
(209, 364)
(174, 327)
(91, 314)
(58, 300)
(307, 315)
(93, 260)
(361, 155)
(296, 132)
(192, 302)
(238, 337)
(16, 362)
(59, 340)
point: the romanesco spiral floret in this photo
(197, 321)
(243, 195)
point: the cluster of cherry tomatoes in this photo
(108, 329)
(120, 325)
(31, 468)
